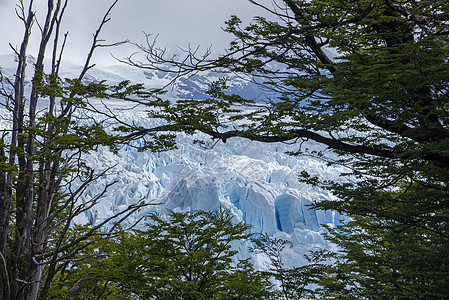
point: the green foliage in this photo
(381, 104)
(69, 134)
(386, 258)
(84, 267)
(186, 256)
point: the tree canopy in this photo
(368, 80)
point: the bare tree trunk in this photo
(17, 142)
(5, 212)
(35, 167)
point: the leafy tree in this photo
(43, 137)
(186, 256)
(380, 102)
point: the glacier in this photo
(258, 183)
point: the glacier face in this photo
(257, 182)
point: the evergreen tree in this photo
(184, 256)
(380, 103)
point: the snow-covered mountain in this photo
(257, 182)
(192, 87)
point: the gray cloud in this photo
(178, 22)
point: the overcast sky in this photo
(177, 22)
